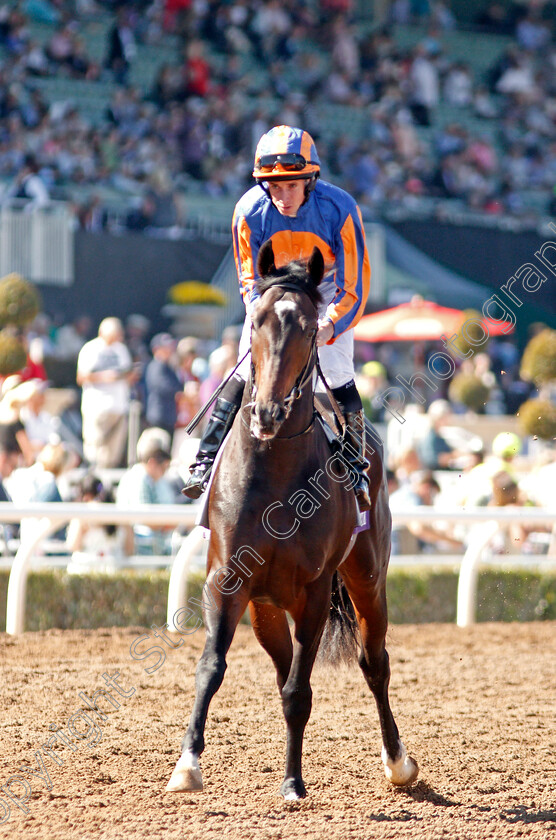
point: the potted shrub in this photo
(194, 308)
(19, 305)
(468, 390)
(537, 418)
(538, 364)
(12, 353)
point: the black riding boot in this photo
(218, 426)
(354, 453)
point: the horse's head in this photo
(283, 337)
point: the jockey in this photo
(296, 211)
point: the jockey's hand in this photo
(325, 332)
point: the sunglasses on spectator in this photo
(289, 161)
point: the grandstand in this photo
(268, 83)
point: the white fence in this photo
(52, 516)
(37, 242)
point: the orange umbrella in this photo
(418, 320)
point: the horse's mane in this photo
(296, 274)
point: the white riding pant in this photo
(336, 360)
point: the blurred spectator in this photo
(29, 185)
(221, 361)
(533, 33)
(121, 47)
(371, 383)
(162, 385)
(59, 48)
(404, 463)
(186, 352)
(9, 461)
(167, 211)
(142, 216)
(92, 216)
(478, 489)
(12, 431)
(40, 481)
(496, 18)
(94, 547)
(71, 337)
(196, 70)
(434, 450)
(512, 538)
(146, 484)
(458, 85)
(105, 372)
(39, 424)
(421, 489)
(424, 83)
(136, 330)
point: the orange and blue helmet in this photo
(286, 154)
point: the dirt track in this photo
(476, 708)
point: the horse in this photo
(282, 512)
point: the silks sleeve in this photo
(244, 257)
(352, 276)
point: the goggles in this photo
(288, 162)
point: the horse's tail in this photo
(340, 639)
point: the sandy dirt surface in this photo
(475, 707)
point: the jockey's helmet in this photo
(286, 154)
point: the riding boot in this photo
(354, 452)
(218, 426)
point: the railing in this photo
(37, 242)
(52, 516)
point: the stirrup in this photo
(197, 482)
(218, 426)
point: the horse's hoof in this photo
(293, 789)
(403, 770)
(186, 776)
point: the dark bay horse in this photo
(282, 512)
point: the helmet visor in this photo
(286, 162)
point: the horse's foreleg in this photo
(270, 626)
(370, 609)
(296, 693)
(220, 626)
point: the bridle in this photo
(306, 374)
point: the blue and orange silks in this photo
(329, 219)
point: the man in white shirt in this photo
(105, 372)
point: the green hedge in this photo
(56, 599)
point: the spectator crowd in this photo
(88, 449)
(241, 67)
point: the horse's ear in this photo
(315, 266)
(265, 260)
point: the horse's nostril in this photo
(268, 416)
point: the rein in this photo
(203, 410)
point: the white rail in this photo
(53, 515)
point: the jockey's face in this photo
(287, 196)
